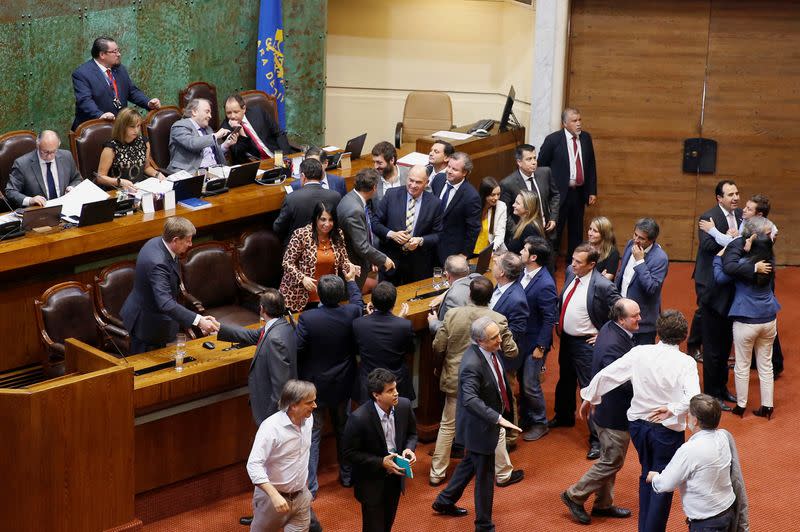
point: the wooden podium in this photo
(67, 458)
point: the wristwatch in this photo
(119, 182)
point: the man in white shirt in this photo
(664, 380)
(384, 160)
(701, 470)
(438, 157)
(278, 462)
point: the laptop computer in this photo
(354, 146)
(191, 187)
(41, 217)
(97, 212)
(484, 259)
(244, 174)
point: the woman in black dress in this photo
(526, 208)
(125, 158)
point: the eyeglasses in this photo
(116, 52)
(48, 152)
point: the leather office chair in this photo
(87, 142)
(212, 287)
(113, 284)
(258, 258)
(267, 102)
(424, 113)
(13, 145)
(156, 127)
(201, 89)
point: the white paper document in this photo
(453, 135)
(220, 172)
(179, 176)
(331, 148)
(413, 159)
(153, 186)
(72, 201)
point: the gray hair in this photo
(478, 328)
(512, 265)
(757, 225)
(566, 112)
(466, 159)
(295, 391)
(456, 265)
(649, 227)
(193, 105)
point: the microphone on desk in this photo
(110, 339)
(12, 229)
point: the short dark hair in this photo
(718, 188)
(707, 411)
(447, 148)
(593, 254)
(315, 152)
(378, 379)
(672, 327)
(236, 97)
(649, 227)
(385, 150)
(272, 303)
(519, 151)
(312, 169)
(762, 204)
(331, 290)
(384, 296)
(480, 291)
(100, 44)
(366, 179)
(540, 247)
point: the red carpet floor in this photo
(768, 449)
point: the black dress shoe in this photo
(555, 422)
(577, 511)
(448, 509)
(728, 396)
(246, 521)
(516, 476)
(593, 454)
(611, 511)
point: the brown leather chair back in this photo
(87, 143)
(258, 257)
(261, 99)
(156, 127)
(425, 113)
(209, 276)
(66, 310)
(114, 283)
(201, 89)
(13, 145)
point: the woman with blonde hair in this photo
(600, 236)
(125, 158)
(526, 208)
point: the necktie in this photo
(368, 215)
(566, 302)
(254, 138)
(113, 82)
(261, 336)
(501, 383)
(446, 196)
(202, 132)
(412, 203)
(52, 191)
(578, 165)
(731, 221)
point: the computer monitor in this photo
(507, 110)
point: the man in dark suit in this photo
(151, 313)
(384, 340)
(298, 207)
(329, 181)
(326, 356)
(584, 305)
(483, 398)
(615, 339)
(260, 135)
(570, 155)
(408, 222)
(539, 180)
(643, 270)
(193, 144)
(461, 208)
(716, 328)
(354, 214)
(103, 87)
(540, 292)
(43, 174)
(438, 157)
(378, 431)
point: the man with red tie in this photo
(570, 155)
(260, 135)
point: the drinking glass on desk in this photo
(180, 351)
(437, 278)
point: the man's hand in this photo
(413, 243)
(638, 252)
(154, 103)
(585, 410)
(280, 504)
(609, 276)
(506, 424)
(370, 308)
(401, 237)
(748, 243)
(409, 455)
(356, 268)
(160, 176)
(659, 414)
(732, 232)
(431, 318)
(550, 226)
(221, 132)
(537, 353)
(310, 284)
(763, 266)
(404, 310)
(390, 467)
(350, 273)
(706, 225)
(388, 264)
(591, 340)
(436, 301)
(231, 140)
(650, 476)
(107, 116)
(38, 200)
(208, 325)
(592, 199)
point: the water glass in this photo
(437, 278)
(180, 351)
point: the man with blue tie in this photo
(408, 221)
(461, 208)
(194, 145)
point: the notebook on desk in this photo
(41, 217)
(484, 259)
(97, 212)
(354, 146)
(244, 174)
(191, 187)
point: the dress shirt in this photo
(105, 74)
(528, 276)
(209, 159)
(730, 217)
(661, 375)
(254, 137)
(393, 184)
(387, 422)
(54, 170)
(452, 192)
(488, 356)
(701, 470)
(280, 453)
(627, 276)
(530, 182)
(573, 158)
(175, 258)
(576, 318)
(497, 294)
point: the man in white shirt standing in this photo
(278, 462)
(664, 379)
(701, 470)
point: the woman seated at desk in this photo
(314, 250)
(526, 208)
(125, 158)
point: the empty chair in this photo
(424, 113)
(267, 102)
(201, 89)
(258, 258)
(156, 128)
(113, 284)
(87, 142)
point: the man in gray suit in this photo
(456, 269)
(528, 176)
(35, 178)
(354, 215)
(194, 145)
(384, 160)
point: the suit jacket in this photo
(707, 248)
(549, 194)
(364, 447)
(268, 131)
(601, 295)
(456, 296)
(513, 304)
(334, 183)
(151, 312)
(326, 348)
(461, 220)
(94, 96)
(297, 209)
(542, 312)
(719, 295)
(274, 363)
(383, 341)
(479, 404)
(352, 218)
(26, 179)
(186, 146)
(645, 287)
(402, 173)
(612, 342)
(555, 154)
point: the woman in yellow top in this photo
(526, 208)
(493, 217)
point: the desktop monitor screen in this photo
(507, 109)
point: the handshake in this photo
(208, 325)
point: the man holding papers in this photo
(379, 443)
(43, 174)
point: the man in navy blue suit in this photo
(102, 85)
(540, 291)
(644, 267)
(328, 181)
(408, 221)
(461, 208)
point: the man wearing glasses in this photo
(102, 85)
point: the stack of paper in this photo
(413, 159)
(453, 135)
(72, 201)
(178, 176)
(153, 186)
